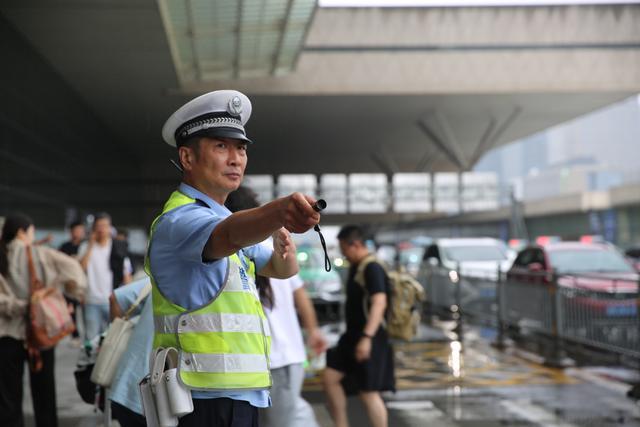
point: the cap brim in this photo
(223, 133)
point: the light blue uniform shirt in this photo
(134, 363)
(177, 267)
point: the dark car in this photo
(633, 254)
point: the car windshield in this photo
(475, 253)
(411, 256)
(310, 258)
(588, 261)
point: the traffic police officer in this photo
(204, 302)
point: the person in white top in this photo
(283, 301)
(97, 257)
(288, 353)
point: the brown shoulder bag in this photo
(49, 319)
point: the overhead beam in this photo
(426, 161)
(450, 138)
(489, 140)
(236, 58)
(381, 163)
(440, 144)
(480, 150)
(283, 31)
(192, 40)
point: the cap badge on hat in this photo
(234, 107)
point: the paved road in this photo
(444, 383)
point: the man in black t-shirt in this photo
(77, 234)
(362, 361)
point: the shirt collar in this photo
(188, 190)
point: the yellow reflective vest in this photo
(224, 344)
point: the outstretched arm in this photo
(251, 226)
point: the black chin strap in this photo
(177, 166)
(327, 261)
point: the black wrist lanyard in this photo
(327, 261)
(319, 206)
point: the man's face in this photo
(348, 249)
(219, 166)
(77, 232)
(102, 228)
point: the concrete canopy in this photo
(375, 90)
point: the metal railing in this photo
(560, 307)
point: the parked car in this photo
(633, 255)
(596, 280)
(474, 257)
(409, 257)
(324, 288)
(463, 271)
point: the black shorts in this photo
(375, 374)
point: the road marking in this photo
(420, 413)
(592, 377)
(533, 413)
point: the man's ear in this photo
(187, 158)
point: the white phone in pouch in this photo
(179, 397)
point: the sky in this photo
(459, 3)
(609, 137)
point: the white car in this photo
(463, 271)
(471, 257)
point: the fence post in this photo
(458, 301)
(558, 357)
(634, 392)
(499, 342)
(428, 307)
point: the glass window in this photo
(523, 258)
(589, 261)
(475, 253)
(432, 252)
(538, 256)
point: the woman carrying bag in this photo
(31, 279)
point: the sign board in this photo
(333, 189)
(368, 193)
(411, 192)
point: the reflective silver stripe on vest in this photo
(211, 322)
(225, 363)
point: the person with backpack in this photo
(362, 361)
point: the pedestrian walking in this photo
(53, 269)
(77, 234)
(362, 361)
(105, 261)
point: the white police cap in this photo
(222, 114)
